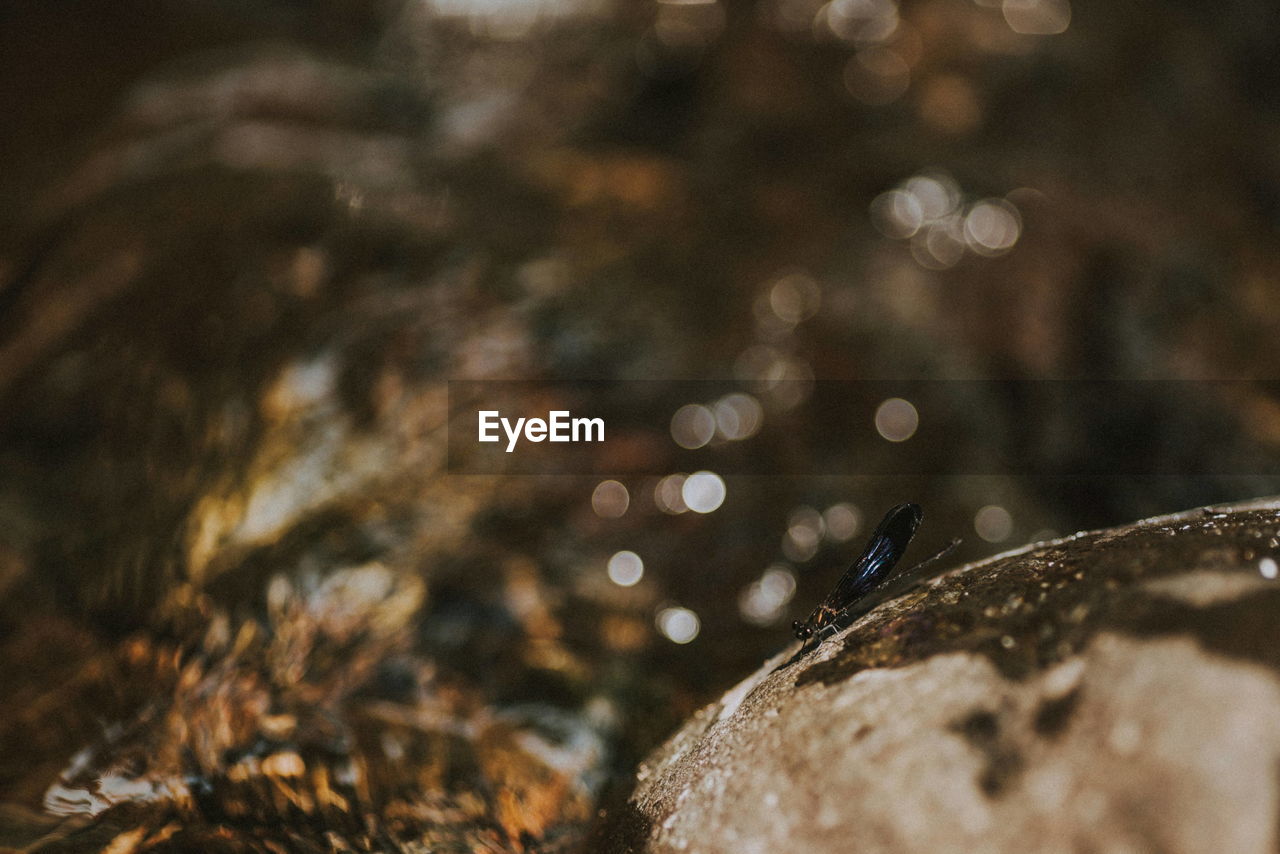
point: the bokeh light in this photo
(926, 209)
(762, 602)
(841, 522)
(1037, 17)
(668, 495)
(738, 416)
(940, 245)
(610, 499)
(937, 194)
(703, 492)
(507, 20)
(625, 568)
(679, 625)
(805, 528)
(897, 420)
(795, 297)
(993, 523)
(897, 214)
(859, 21)
(693, 426)
(992, 226)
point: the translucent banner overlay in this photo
(866, 427)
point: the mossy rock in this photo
(1115, 690)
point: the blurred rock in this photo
(1114, 690)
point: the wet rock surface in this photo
(1114, 690)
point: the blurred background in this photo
(244, 246)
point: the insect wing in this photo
(885, 549)
(895, 585)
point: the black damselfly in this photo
(869, 574)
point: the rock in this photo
(1112, 691)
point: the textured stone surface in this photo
(1115, 691)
